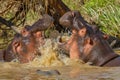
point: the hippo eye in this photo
(58, 15)
(23, 31)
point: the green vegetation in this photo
(104, 13)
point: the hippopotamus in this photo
(72, 45)
(24, 45)
(6, 55)
(92, 45)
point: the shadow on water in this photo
(53, 65)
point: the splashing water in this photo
(52, 59)
(50, 56)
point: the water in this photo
(15, 71)
(53, 59)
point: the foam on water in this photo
(52, 56)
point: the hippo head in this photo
(26, 43)
(90, 40)
(95, 48)
(25, 47)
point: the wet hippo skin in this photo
(25, 44)
(26, 47)
(72, 45)
(92, 45)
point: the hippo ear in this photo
(73, 14)
(105, 36)
(95, 28)
(76, 13)
(24, 32)
(82, 32)
(38, 34)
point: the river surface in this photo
(15, 71)
(54, 59)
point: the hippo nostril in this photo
(82, 31)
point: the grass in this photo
(104, 13)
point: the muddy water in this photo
(53, 59)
